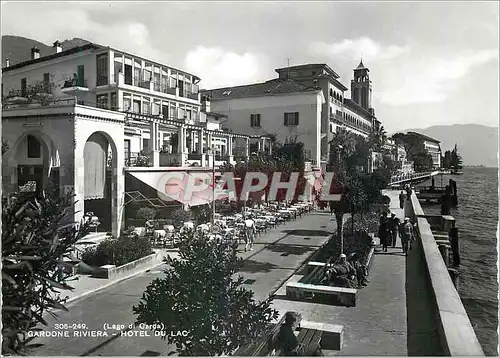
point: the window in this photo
(146, 107)
(156, 82)
(137, 106)
(145, 144)
(46, 82)
(292, 119)
(114, 101)
(80, 77)
(102, 100)
(173, 111)
(34, 147)
(23, 87)
(102, 70)
(164, 111)
(147, 75)
(126, 143)
(156, 109)
(127, 103)
(255, 120)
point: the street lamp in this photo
(211, 152)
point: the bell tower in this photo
(361, 87)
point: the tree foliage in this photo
(200, 294)
(179, 216)
(349, 155)
(146, 213)
(36, 235)
(40, 92)
(285, 158)
(202, 214)
(451, 159)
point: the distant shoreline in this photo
(479, 166)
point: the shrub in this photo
(200, 294)
(118, 252)
(36, 235)
(368, 222)
(146, 214)
(179, 216)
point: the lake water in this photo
(477, 220)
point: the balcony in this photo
(75, 85)
(192, 95)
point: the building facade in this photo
(80, 119)
(263, 107)
(281, 108)
(432, 146)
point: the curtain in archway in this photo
(95, 156)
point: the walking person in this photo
(406, 235)
(393, 229)
(383, 233)
(249, 234)
(402, 200)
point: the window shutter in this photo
(296, 118)
(286, 122)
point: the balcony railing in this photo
(75, 82)
(195, 156)
(144, 84)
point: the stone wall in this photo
(454, 330)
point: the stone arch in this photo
(22, 169)
(100, 184)
(331, 92)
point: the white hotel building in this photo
(79, 117)
(305, 103)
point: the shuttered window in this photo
(291, 119)
(255, 120)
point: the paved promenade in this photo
(377, 325)
(276, 256)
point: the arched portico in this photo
(32, 163)
(97, 179)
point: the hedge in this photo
(118, 252)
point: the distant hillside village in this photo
(80, 104)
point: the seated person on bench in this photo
(287, 341)
(341, 274)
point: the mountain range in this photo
(477, 144)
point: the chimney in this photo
(7, 62)
(57, 46)
(35, 53)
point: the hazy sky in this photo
(430, 62)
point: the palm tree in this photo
(342, 146)
(377, 139)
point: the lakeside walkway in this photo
(377, 326)
(276, 256)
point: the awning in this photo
(190, 189)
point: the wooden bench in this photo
(309, 338)
(334, 295)
(333, 335)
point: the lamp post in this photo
(211, 153)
